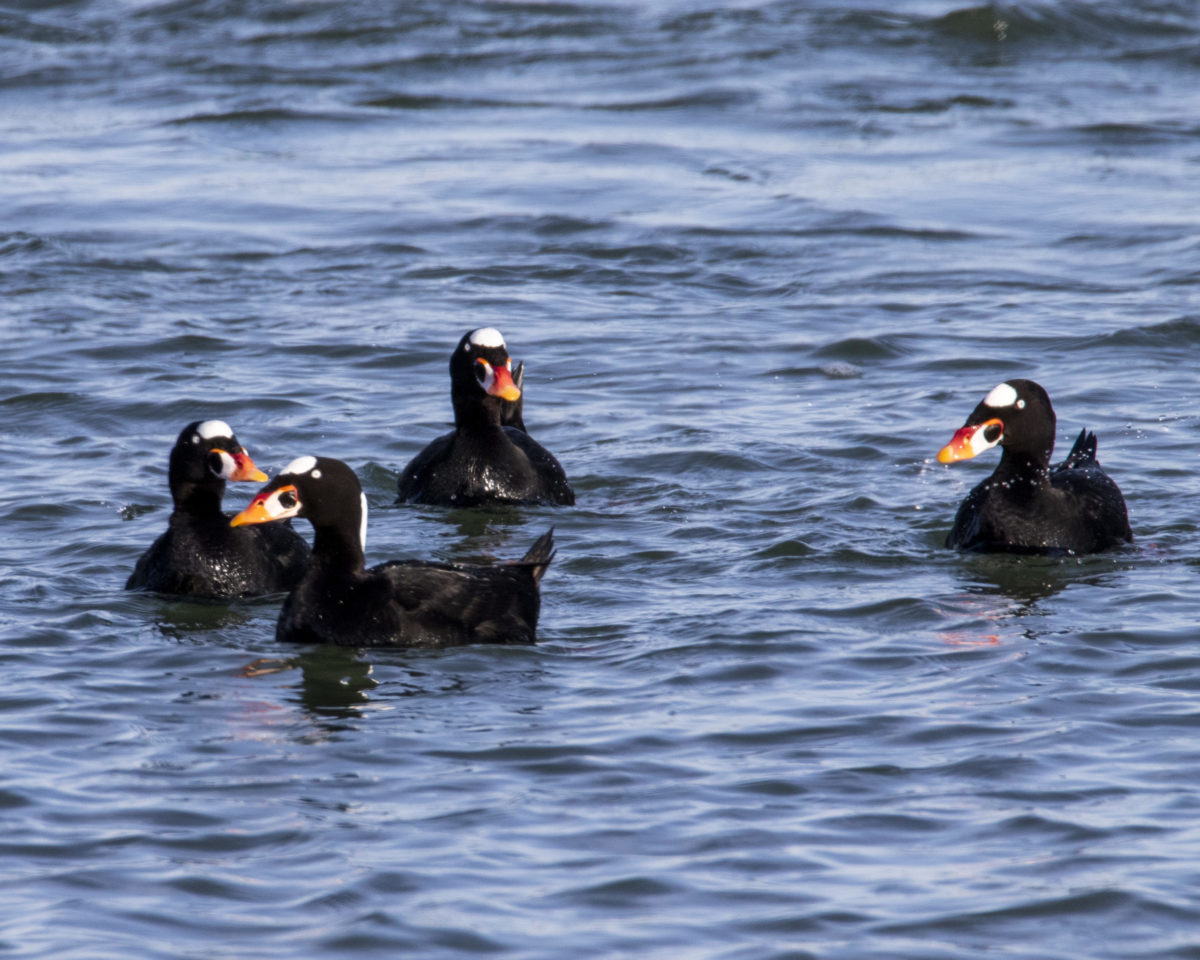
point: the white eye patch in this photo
(486, 337)
(300, 465)
(228, 465)
(1003, 396)
(979, 439)
(211, 429)
(488, 375)
(282, 504)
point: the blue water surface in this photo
(760, 259)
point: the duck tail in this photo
(512, 412)
(1084, 451)
(538, 557)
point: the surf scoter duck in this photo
(399, 603)
(200, 555)
(488, 457)
(1026, 506)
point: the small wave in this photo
(1180, 332)
(543, 225)
(853, 350)
(263, 117)
(1142, 236)
(1069, 22)
(852, 225)
(633, 254)
(713, 99)
(687, 462)
(626, 893)
(1138, 134)
(16, 244)
(944, 104)
(413, 101)
(32, 30)
(1108, 904)
(786, 550)
(43, 401)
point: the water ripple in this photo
(760, 261)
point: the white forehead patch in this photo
(300, 465)
(486, 337)
(211, 429)
(1001, 396)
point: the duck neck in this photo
(339, 539)
(1021, 470)
(337, 550)
(198, 499)
(473, 414)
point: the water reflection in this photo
(1025, 581)
(335, 682)
(334, 687)
(485, 530)
(1028, 580)
(181, 619)
(1010, 591)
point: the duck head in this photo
(1016, 415)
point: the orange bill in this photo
(244, 469)
(970, 441)
(503, 386)
(257, 512)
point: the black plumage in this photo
(1027, 506)
(199, 554)
(399, 603)
(489, 457)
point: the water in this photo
(760, 260)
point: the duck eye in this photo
(287, 499)
(992, 433)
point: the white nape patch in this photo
(1003, 395)
(486, 337)
(300, 465)
(362, 527)
(211, 429)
